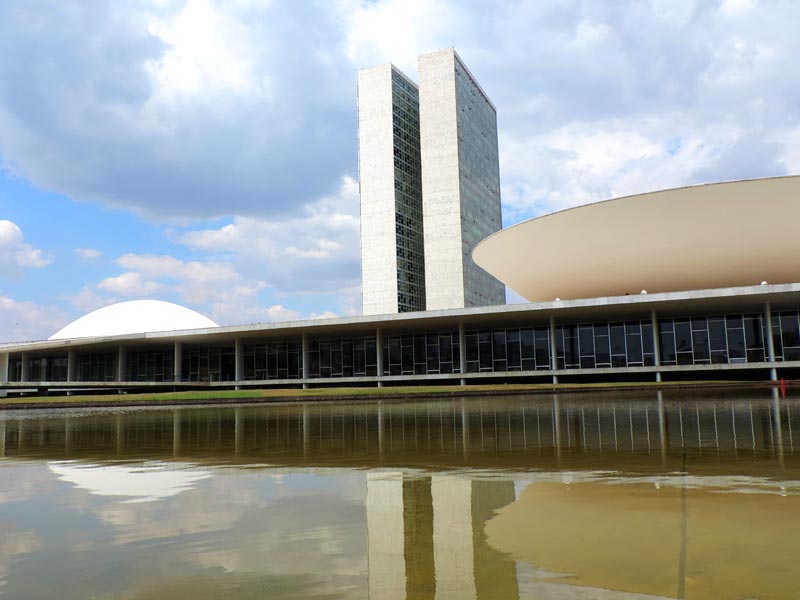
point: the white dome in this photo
(136, 316)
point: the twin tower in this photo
(430, 187)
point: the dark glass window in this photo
(736, 351)
(700, 345)
(526, 340)
(602, 347)
(618, 339)
(716, 334)
(634, 354)
(790, 331)
(683, 336)
(753, 334)
(667, 348)
(586, 340)
(499, 345)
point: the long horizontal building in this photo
(751, 330)
(739, 326)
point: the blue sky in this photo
(204, 152)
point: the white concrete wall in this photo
(444, 281)
(460, 182)
(376, 185)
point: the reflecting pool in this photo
(588, 496)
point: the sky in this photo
(204, 152)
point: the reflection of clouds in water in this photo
(304, 523)
(146, 482)
(323, 537)
(12, 544)
(300, 533)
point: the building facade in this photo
(747, 332)
(429, 185)
(460, 182)
(392, 254)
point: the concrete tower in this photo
(460, 182)
(430, 187)
(392, 255)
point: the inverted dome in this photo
(135, 316)
(710, 236)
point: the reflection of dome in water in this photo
(145, 482)
(136, 316)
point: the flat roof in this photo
(612, 308)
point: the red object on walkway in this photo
(783, 388)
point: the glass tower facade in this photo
(408, 195)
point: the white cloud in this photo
(88, 254)
(316, 251)
(88, 300)
(239, 269)
(397, 31)
(131, 284)
(15, 254)
(194, 108)
(197, 108)
(185, 109)
(22, 320)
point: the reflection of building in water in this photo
(426, 538)
(717, 538)
(145, 482)
(648, 432)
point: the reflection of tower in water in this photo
(426, 538)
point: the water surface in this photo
(592, 496)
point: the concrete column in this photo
(3, 367)
(238, 362)
(72, 359)
(773, 372)
(462, 352)
(25, 361)
(379, 352)
(656, 350)
(122, 364)
(177, 362)
(553, 358)
(306, 361)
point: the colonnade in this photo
(306, 380)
